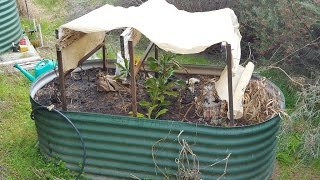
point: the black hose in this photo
(84, 157)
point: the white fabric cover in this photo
(170, 29)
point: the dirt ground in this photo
(83, 96)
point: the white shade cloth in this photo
(170, 29)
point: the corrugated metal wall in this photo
(121, 147)
(10, 28)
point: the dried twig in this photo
(275, 67)
(297, 50)
(187, 169)
(154, 156)
(225, 166)
(134, 177)
(185, 115)
(258, 103)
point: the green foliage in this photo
(160, 87)
(310, 6)
(276, 25)
(288, 154)
(48, 4)
(199, 59)
(56, 169)
(124, 69)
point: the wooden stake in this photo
(229, 66)
(133, 79)
(156, 56)
(156, 52)
(104, 60)
(62, 81)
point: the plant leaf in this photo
(140, 115)
(126, 64)
(165, 103)
(180, 82)
(171, 93)
(144, 103)
(120, 65)
(150, 110)
(161, 112)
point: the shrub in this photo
(276, 25)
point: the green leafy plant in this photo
(160, 87)
(288, 154)
(124, 69)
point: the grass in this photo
(19, 155)
(294, 162)
(48, 4)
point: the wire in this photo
(84, 157)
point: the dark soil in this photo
(82, 96)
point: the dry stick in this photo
(185, 115)
(153, 155)
(309, 44)
(275, 53)
(275, 67)
(37, 173)
(134, 177)
(249, 56)
(225, 166)
(184, 155)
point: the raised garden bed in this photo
(123, 147)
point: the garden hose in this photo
(84, 157)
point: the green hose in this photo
(84, 157)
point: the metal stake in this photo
(104, 60)
(156, 52)
(62, 81)
(156, 56)
(133, 79)
(229, 66)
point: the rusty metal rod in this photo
(133, 79)
(104, 60)
(122, 47)
(90, 54)
(229, 66)
(156, 56)
(62, 81)
(143, 58)
(156, 52)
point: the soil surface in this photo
(83, 96)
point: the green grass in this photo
(291, 165)
(298, 171)
(19, 154)
(47, 28)
(49, 4)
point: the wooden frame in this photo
(134, 70)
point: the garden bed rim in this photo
(49, 76)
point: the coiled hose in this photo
(84, 157)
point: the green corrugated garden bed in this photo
(122, 147)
